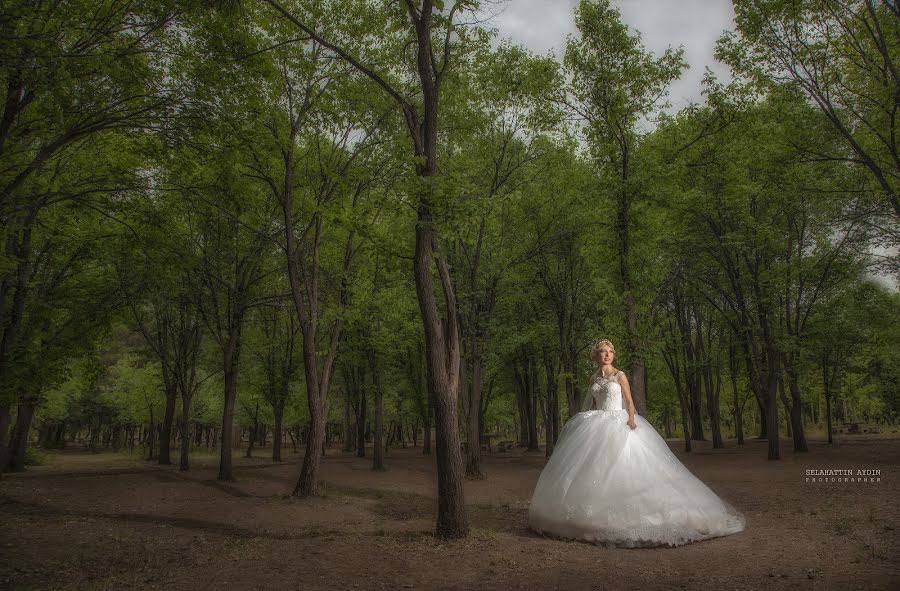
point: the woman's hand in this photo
(631, 423)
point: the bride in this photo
(613, 480)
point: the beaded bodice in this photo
(607, 392)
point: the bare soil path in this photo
(106, 521)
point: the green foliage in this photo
(143, 176)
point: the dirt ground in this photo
(106, 521)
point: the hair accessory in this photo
(600, 342)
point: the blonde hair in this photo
(601, 343)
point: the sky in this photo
(542, 25)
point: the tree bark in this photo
(474, 470)
(795, 406)
(738, 408)
(230, 359)
(426, 437)
(551, 419)
(165, 436)
(348, 423)
(5, 418)
(377, 446)
(184, 462)
(18, 443)
(277, 432)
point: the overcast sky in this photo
(542, 25)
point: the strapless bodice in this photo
(607, 395)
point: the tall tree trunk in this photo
(230, 360)
(520, 374)
(570, 370)
(253, 436)
(712, 404)
(757, 385)
(828, 384)
(712, 381)
(673, 362)
(551, 418)
(306, 282)
(738, 409)
(18, 443)
(277, 432)
(361, 416)
(184, 463)
(151, 437)
(442, 352)
(426, 437)
(774, 448)
(165, 436)
(522, 407)
(527, 380)
(473, 422)
(787, 406)
(5, 418)
(378, 444)
(623, 238)
(798, 432)
(348, 423)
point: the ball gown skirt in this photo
(612, 485)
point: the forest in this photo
(300, 232)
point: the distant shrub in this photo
(35, 456)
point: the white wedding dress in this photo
(612, 485)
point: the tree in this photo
(498, 151)
(615, 83)
(843, 54)
(75, 82)
(421, 23)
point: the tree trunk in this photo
(165, 436)
(308, 483)
(623, 239)
(738, 409)
(361, 416)
(798, 433)
(18, 443)
(532, 404)
(774, 448)
(377, 446)
(230, 365)
(522, 407)
(442, 351)
(184, 462)
(673, 362)
(253, 436)
(712, 407)
(151, 438)
(348, 424)
(277, 432)
(828, 382)
(5, 418)
(685, 418)
(570, 370)
(426, 437)
(474, 470)
(551, 419)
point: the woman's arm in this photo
(629, 403)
